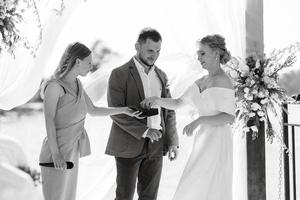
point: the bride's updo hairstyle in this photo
(217, 42)
(67, 61)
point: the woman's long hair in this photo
(67, 61)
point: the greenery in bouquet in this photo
(259, 98)
(12, 14)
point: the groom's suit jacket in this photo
(125, 89)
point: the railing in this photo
(287, 168)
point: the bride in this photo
(208, 172)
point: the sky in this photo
(281, 22)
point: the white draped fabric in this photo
(117, 23)
(14, 183)
(180, 30)
(20, 77)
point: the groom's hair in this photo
(149, 33)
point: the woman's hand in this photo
(150, 102)
(190, 128)
(132, 113)
(59, 161)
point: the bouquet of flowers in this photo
(12, 14)
(258, 94)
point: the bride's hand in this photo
(150, 102)
(190, 128)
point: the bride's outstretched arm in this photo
(168, 103)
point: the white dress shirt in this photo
(152, 87)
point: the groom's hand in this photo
(153, 134)
(173, 153)
(150, 102)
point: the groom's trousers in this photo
(145, 169)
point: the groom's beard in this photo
(144, 62)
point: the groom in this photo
(138, 145)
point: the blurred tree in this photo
(101, 54)
(290, 81)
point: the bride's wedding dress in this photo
(208, 172)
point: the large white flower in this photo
(263, 94)
(234, 62)
(246, 90)
(257, 64)
(248, 96)
(248, 81)
(234, 74)
(264, 101)
(244, 74)
(254, 91)
(271, 83)
(268, 71)
(243, 67)
(255, 106)
(252, 82)
(252, 114)
(262, 119)
(260, 113)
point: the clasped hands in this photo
(154, 134)
(150, 102)
(153, 102)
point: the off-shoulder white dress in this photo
(208, 172)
